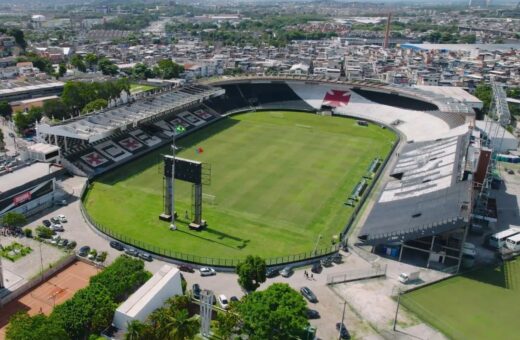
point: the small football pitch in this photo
(482, 304)
(278, 182)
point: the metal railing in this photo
(205, 260)
(354, 275)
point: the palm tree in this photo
(135, 330)
(158, 320)
(181, 326)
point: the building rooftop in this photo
(24, 175)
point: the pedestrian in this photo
(305, 273)
(312, 276)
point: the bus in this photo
(498, 240)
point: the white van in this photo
(498, 240)
(513, 242)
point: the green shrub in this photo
(27, 232)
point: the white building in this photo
(152, 295)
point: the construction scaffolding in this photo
(497, 121)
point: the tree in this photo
(54, 109)
(228, 322)
(107, 67)
(21, 121)
(2, 142)
(62, 70)
(251, 272)
(279, 312)
(77, 61)
(23, 327)
(484, 93)
(14, 219)
(18, 37)
(91, 59)
(90, 311)
(141, 71)
(122, 277)
(5, 109)
(44, 232)
(136, 330)
(168, 69)
(181, 326)
(95, 105)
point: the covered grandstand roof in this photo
(426, 194)
(102, 124)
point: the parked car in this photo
(195, 289)
(342, 329)
(57, 227)
(272, 272)
(207, 271)
(63, 242)
(62, 218)
(286, 271)
(186, 268)
(47, 223)
(337, 258)
(146, 256)
(223, 301)
(233, 299)
(131, 252)
(117, 245)
(308, 294)
(62, 202)
(326, 262)
(312, 314)
(83, 251)
(55, 220)
(71, 245)
(316, 268)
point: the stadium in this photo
(280, 167)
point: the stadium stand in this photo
(395, 100)
(245, 96)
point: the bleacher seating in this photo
(110, 152)
(396, 100)
(244, 96)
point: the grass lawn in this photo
(483, 304)
(136, 88)
(14, 251)
(279, 179)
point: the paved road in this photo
(330, 305)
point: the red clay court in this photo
(57, 289)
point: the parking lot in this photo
(330, 300)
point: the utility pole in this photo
(397, 309)
(342, 319)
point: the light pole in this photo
(178, 129)
(397, 309)
(342, 319)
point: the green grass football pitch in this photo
(482, 304)
(278, 181)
